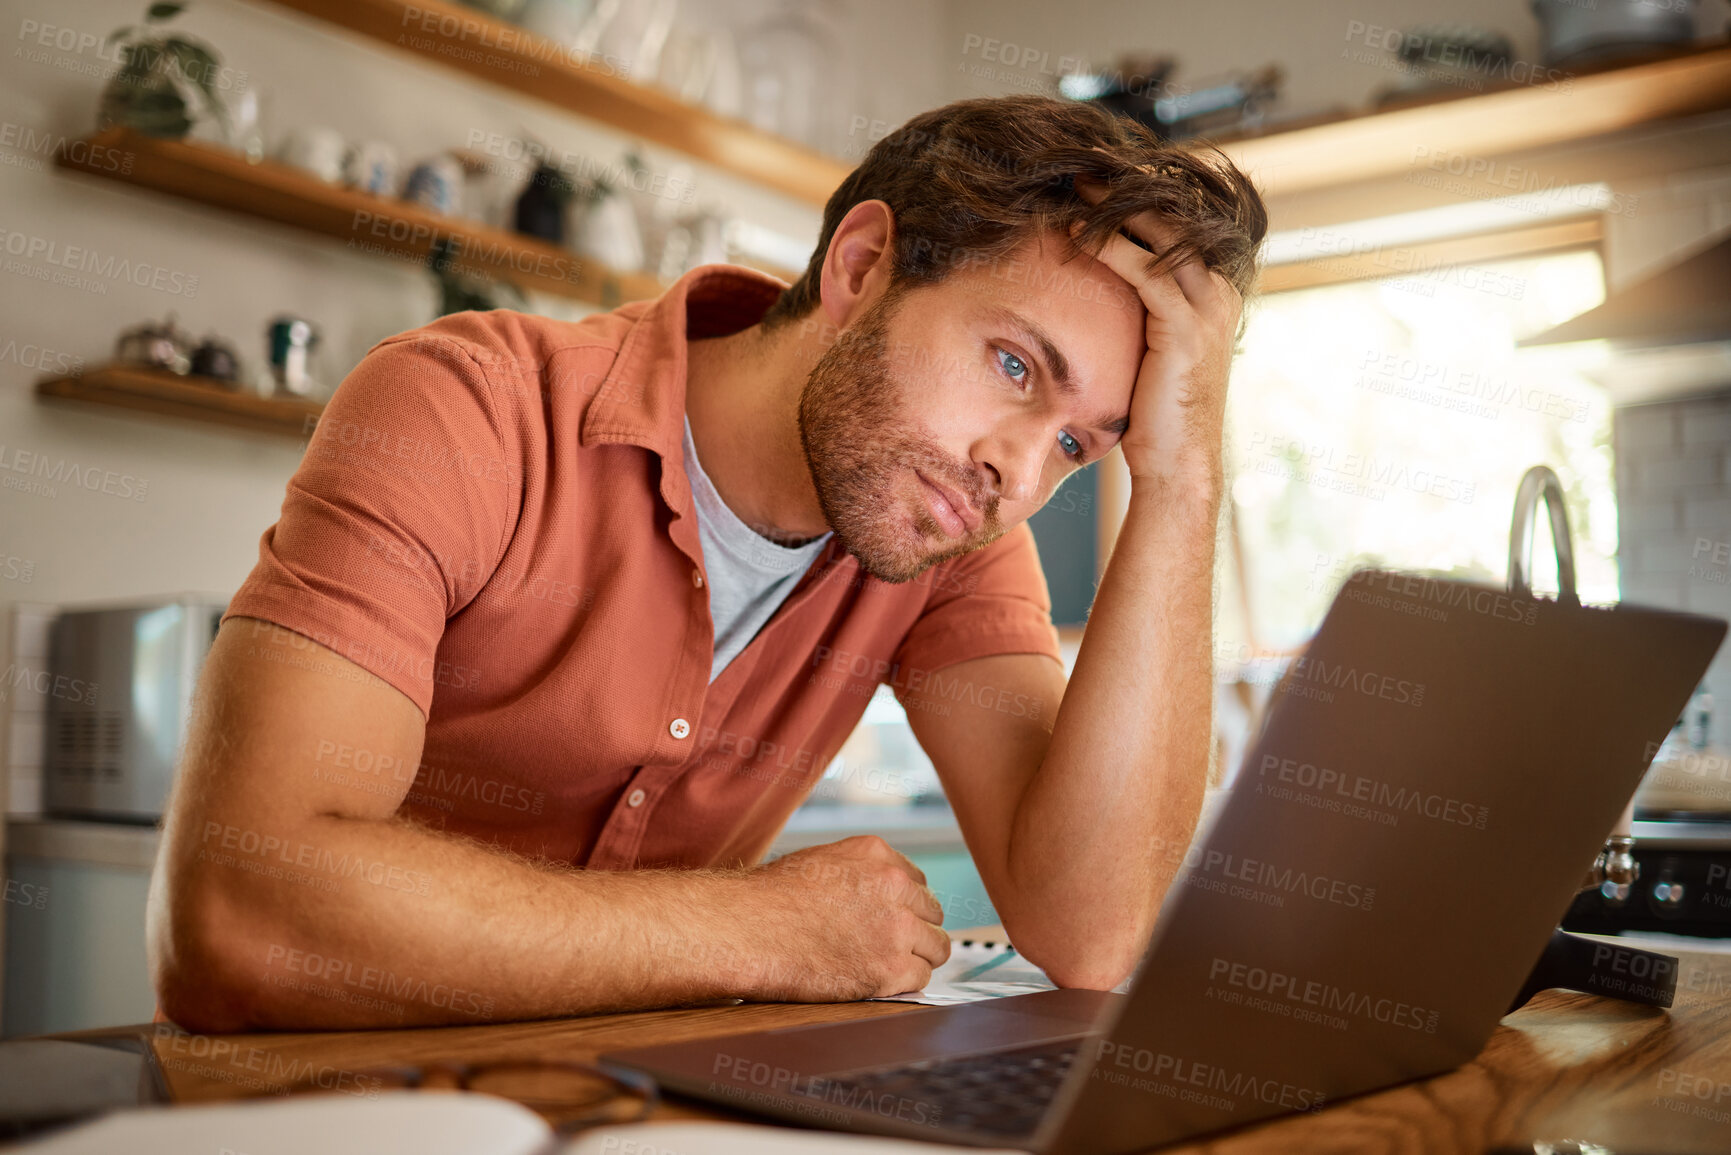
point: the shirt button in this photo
(635, 798)
(697, 578)
(679, 728)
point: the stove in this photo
(1682, 852)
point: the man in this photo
(561, 621)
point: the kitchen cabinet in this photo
(75, 926)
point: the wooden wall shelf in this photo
(1469, 129)
(1418, 260)
(1515, 118)
(381, 226)
(470, 41)
(195, 398)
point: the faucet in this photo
(1541, 482)
(1570, 962)
(1616, 862)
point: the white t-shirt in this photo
(749, 575)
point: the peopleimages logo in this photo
(784, 1080)
(1355, 474)
(1432, 594)
(1217, 870)
(1339, 790)
(47, 684)
(107, 267)
(1336, 676)
(328, 968)
(45, 473)
(1325, 998)
(1180, 1078)
(255, 845)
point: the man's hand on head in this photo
(1178, 408)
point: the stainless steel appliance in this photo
(117, 708)
(1680, 880)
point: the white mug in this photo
(316, 149)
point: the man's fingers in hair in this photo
(1154, 236)
(1089, 189)
(1160, 294)
(1192, 275)
(1196, 280)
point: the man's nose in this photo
(1019, 462)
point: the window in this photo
(1388, 422)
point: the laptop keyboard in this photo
(1002, 1092)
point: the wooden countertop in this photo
(1639, 1080)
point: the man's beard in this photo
(861, 450)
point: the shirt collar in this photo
(642, 399)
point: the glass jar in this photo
(794, 73)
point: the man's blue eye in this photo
(1017, 369)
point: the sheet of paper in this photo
(978, 971)
(981, 969)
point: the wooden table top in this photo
(1639, 1080)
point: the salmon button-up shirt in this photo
(493, 516)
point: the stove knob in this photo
(1620, 864)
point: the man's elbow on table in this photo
(1096, 965)
(1095, 973)
(204, 964)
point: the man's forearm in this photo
(350, 923)
(296, 899)
(1124, 774)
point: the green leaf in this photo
(163, 11)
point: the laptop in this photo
(1430, 787)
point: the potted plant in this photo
(159, 76)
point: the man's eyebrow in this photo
(1055, 360)
(1058, 365)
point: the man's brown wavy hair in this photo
(968, 183)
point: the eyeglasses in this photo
(571, 1096)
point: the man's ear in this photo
(857, 267)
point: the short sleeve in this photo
(397, 515)
(988, 601)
